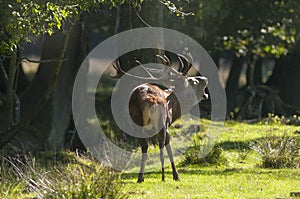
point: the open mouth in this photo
(205, 96)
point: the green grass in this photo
(240, 177)
(68, 175)
(57, 175)
(217, 182)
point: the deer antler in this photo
(165, 60)
(186, 61)
(120, 72)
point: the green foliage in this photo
(22, 20)
(262, 28)
(274, 39)
(86, 184)
(194, 154)
(57, 175)
(277, 151)
(254, 27)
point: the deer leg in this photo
(161, 144)
(170, 154)
(144, 144)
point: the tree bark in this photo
(279, 71)
(285, 77)
(10, 90)
(251, 63)
(258, 79)
(39, 92)
(62, 97)
(289, 88)
(232, 84)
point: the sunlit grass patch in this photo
(240, 177)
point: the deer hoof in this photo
(176, 177)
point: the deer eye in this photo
(195, 82)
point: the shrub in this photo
(277, 151)
(195, 154)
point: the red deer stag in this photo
(156, 108)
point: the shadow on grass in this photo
(50, 158)
(235, 145)
(47, 159)
(238, 145)
(215, 172)
(185, 171)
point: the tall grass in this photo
(277, 151)
(53, 175)
(194, 154)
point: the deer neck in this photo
(173, 107)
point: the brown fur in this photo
(142, 99)
(154, 108)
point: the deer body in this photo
(156, 109)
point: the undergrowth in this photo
(277, 151)
(57, 175)
(201, 154)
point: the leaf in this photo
(267, 49)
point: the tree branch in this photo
(25, 59)
(172, 7)
(142, 20)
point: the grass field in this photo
(241, 176)
(218, 182)
(238, 175)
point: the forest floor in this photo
(238, 174)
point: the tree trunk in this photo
(285, 77)
(232, 84)
(251, 63)
(34, 101)
(62, 97)
(10, 90)
(258, 79)
(289, 88)
(279, 72)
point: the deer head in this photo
(183, 82)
